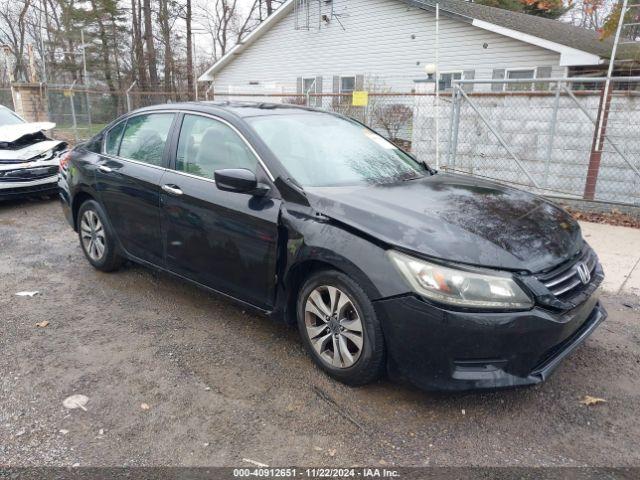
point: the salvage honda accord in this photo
(29, 160)
(447, 281)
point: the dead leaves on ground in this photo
(588, 400)
(614, 217)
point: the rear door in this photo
(128, 181)
(224, 240)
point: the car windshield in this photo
(322, 150)
(7, 117)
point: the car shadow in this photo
(26, 201)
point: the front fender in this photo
(308, 237)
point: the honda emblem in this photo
(583, 273)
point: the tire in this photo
(96, 238)
(350, 366)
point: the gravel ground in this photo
(223, 385)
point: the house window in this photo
(309, 85)
(313, 85)
(520, 74)
(446, 80)
(347, 85)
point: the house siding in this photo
(383, 40)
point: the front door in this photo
(224, 240)
(128, 182)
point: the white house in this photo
(337, 46)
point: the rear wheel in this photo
(96, 239)
(340, 329)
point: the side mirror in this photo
(239, 180)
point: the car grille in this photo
(565, 280)
(28, 174)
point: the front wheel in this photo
(96, 238)
(340, 329)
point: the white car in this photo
(29, 160)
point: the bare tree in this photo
(137, 58)
(149, 44)
(188, 21)
(227, 25)
(13, 20)
(587, 14)
(165, 29)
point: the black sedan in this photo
(448, 281)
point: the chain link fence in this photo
(80, 112)
(537, 134)
(544, 137)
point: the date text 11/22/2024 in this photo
(366, 472)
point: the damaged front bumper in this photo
(29, 179)
(30, 169)
(438, 349)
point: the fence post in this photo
(455, 124)
(73, 112)
(208, 90)
(14, 105)
(128, 95)
(88, 99)
(552, 133)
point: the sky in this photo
(202, 39)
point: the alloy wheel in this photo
(334, 326)
(93, 235)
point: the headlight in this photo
(473, 288)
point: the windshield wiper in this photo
(411, 179)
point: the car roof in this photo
(235, 108)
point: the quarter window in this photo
(206, 145)
(145, 137)
(94, 145)
(112, 142)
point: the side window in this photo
(206, 145)
(112, 142)
(145, 136)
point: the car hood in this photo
(13, 133)
(457, 218)
(26, 143)
(28, 153)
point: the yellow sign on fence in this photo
(360, 99)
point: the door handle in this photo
(172, 189)
(105, 169)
